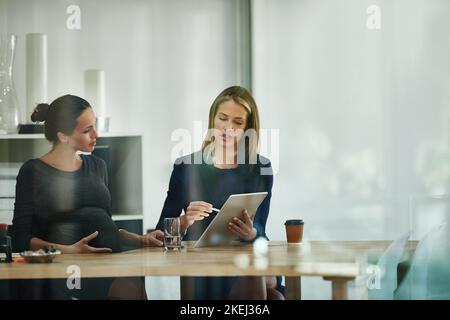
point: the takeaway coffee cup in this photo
(294, 230)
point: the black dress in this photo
(204, 182)
(63, 207)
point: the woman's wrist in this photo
(132, 238)
(137, 239)
(184, 224)
(65, 248)
(252, 235)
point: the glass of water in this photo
(172, 233)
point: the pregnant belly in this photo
(81, 223)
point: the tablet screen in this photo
(217, 232)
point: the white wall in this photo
(364, 117)
(363, 114)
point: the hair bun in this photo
(40, 112)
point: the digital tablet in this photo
(217, 232)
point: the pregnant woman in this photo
(62, 198)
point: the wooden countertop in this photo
(346, 259)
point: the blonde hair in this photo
(243, 97)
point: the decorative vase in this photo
(9, 105)
(36, 71)
(94, 92)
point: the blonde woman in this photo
(227, 164)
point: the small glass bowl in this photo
(40, 256)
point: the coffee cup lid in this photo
(293, 222)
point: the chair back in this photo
(429, 274)
(387, 265)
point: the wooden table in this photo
(335, 261)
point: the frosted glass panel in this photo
(364, 114)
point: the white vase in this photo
(36, 72)
(94, 90)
